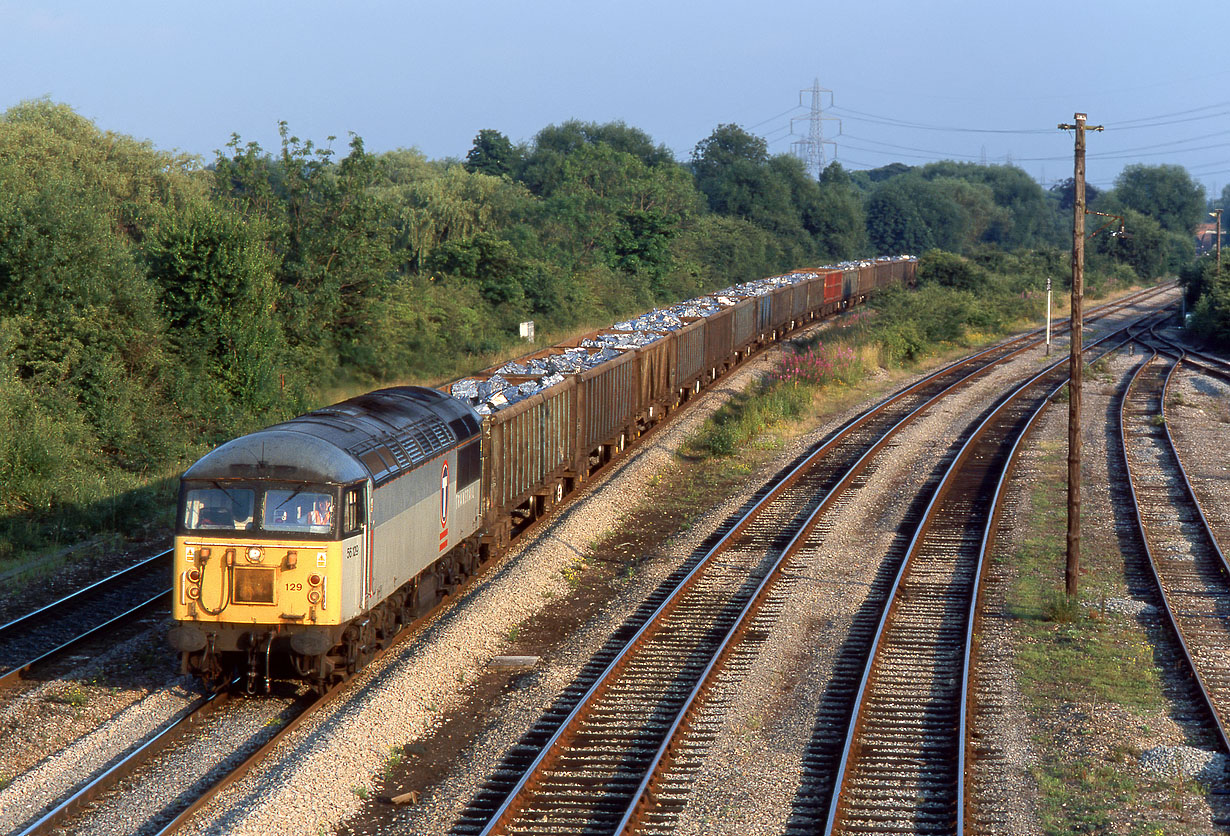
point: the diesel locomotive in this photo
(303, 548)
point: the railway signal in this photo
(1216, 213)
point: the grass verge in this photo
(1091, 687)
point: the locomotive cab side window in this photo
(353, 510)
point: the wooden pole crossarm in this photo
(1111, 222)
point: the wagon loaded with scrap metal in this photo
(303, 548)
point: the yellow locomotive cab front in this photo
(259, 567)
(257, 581)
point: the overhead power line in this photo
(775, 118)
(1128, 122)
(859, 116)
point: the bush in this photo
(950, 270)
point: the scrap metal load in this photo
(776, 304)
(555, 416)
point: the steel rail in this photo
(115, 773)
(1172, 618)
(644, 790)
(65, 610)
(72, 597)
(562, 733)
(242, 769)
(194, 714)
(547, 753)
(642, 794)
(855, 724)
(19, 671)
(1204, 363)
(988, 543)
(1187, 483)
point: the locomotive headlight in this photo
(314, 579)
(194, 575)
(254, 555)
(313, 596)
(194, 592)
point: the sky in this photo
(911, 81)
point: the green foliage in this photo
(1209, 297)
(836, 217)
(1021, 217)
(894, 223)
(955, 207)
(950, 270)
(716, 250)
(492, 154)
(1065, 193)
(329, 235)
(1143, 248)
(544, 167)
(219, 297)
(909, 325)
(150, 307)
(746, 417)
(1165, 193)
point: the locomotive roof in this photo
(378, 435)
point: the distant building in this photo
(1206, 238)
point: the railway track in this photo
(54, 818)
(93, 612)
(1205, 363)
(52, 631)
(594, 762)
(1184, 557)
(903, 760)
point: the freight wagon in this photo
(302, 549)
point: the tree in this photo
(950, 270)
(1024, 219)
(894, 224)
(492, 154)
(494, 262)
(726, 146)
(1165, 193)
(1211, 313)
(219, 296)
(738, 177)
(543, 170)
(837, 220)
(1065, 193)
(329, 234)
(1143, 248)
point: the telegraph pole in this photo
(1072, 567)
